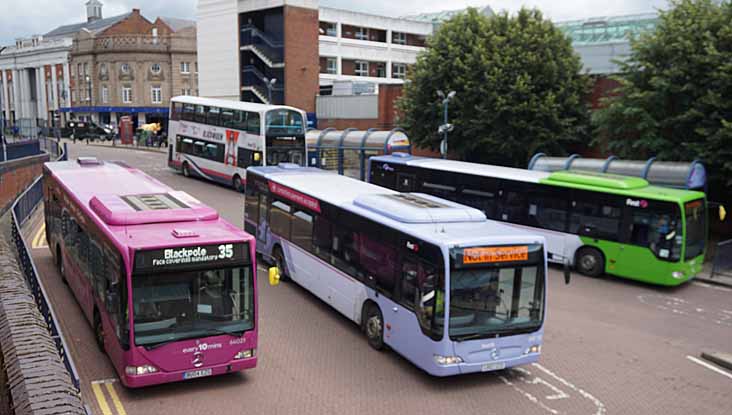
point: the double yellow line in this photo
(102, 399)
(39, 240)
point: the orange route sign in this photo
(495, 254)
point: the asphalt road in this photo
(611, 347)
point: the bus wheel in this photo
(237, 184)
(590, 262)
(281, 264)
(186, 170)
(98, 330)
(373, 324)
(60, 264)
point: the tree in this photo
(519, 88)
(675, 95)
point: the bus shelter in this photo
(347, 151)
(682, 175)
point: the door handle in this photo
(395, 309)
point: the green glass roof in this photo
(608, 29)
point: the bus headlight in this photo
(533, 349)
(447, 360)
(677, 274)
(140, 370)
(245, 354)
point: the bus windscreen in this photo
(192, 292)
(496, 291)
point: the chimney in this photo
(93, 10)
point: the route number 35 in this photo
(226, 251)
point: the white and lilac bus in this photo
(434, 280)
(167, 285)
(217, 139)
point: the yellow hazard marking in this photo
(115, 399)
(101, 400)
(39, 240)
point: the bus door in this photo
(598, 221)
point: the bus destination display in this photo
(191, 256)
(491, 254)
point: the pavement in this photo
(118, 145)
(611, 346)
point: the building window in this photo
(73, 96)
(127, 94)
(155, 68)
(125, 68)
(157, 95)
(328, 29)
(79, 70)
(399, 38)
(331, 66)
(185, 67)
(399, 71)
(105, 94)
(196, 66)
(103, 69)
(185, 91)
(362, 33)
(86, 69)
(362, 68)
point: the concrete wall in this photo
(218, 49)
(301, 57)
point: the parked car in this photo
(83, 130)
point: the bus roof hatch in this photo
(418, 208)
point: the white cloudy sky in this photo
(27, 17)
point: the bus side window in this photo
(200, 116)
(345, 251)
(253, 125)
(322, 238)
(302, 230)
(382, 177)
(548, 210)
(213, 116)
(514, 206)
(594, 217)
(482, 200)
(279, 218)
(405, 182)
(420, 292)
(189, 112)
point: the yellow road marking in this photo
(115, 399)
(101, 400)
(39, 238)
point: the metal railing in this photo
(722, 263)
(21, 211)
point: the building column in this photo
(388, 69)
(41, 95)
(17, 103)
(54, 88)
(6, 101)
(339, 65)
(67, 85)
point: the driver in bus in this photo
(213, 299)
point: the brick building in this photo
(131, 67)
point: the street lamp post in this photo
(445, 127)
(270, 83)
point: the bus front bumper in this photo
(488, 366)
(138, 381)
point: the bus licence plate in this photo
(493, 366)
(197, 374)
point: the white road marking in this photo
(682, 307)
(709, 366)
(525, 376)
(598, 404)
(714, 287)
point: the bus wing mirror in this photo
(274, 276)
(567, 272)
(722, 213)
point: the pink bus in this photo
(167, 285)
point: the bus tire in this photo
(280, 263)
(186, 170)
(60, 265)
(98, 330)
(590, 262)
(237, 183)
(373, 325)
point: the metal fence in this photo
(21, 211)
(722, 264)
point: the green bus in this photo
(598, 223)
